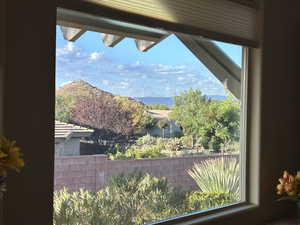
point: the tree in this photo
(64, 104)
(221, 126)
(137, 113)
(187, 111)
(163, 124)
(111, 117)
(104, 115)
(216, 123)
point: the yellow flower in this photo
(10, 157)
(280, 187)
(282, 181)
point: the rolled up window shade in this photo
(223, 20)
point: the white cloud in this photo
(120, 67)
(169, 69)
(70, 47)
(95, 56)
(123, 85)
(180, 78)
(105, 82)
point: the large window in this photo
(146, 130)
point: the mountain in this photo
(168, 101)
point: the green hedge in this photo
(128, 199)
(200, 200)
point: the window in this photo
(149, 122)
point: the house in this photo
(67, 138)
(169, 129)
(27, 96)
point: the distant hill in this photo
(169, 100)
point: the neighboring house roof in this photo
(67, 131)
(159, 114)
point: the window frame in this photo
(249, 176)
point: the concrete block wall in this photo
(93, 172)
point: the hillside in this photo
(111, 116)
(81, 88)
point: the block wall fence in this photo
(92, 172)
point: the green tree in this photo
(63, 107)
(221, 123)
(216, 123)
(140, 119)
(163, 124)
(187, 111)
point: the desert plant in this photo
(150, 151)
(219, 175)
(146, 140)
(130, 199)
(198, 200)
(174, 145)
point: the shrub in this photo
(129, 199)
(217, 176)
(149, 152)
(174, 145)
(201, 200)
(146, 140)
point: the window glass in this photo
(142, 136)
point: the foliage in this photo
(174, 145)
(163, 123)
(221, 125)
(147, 140)
(112, 117)
(129, 199)
(187, 107)
(147, 147)
(198, 200)
(64, 103)
(220, 175)
(157, 107)
(10, 156)
(214, 123)
(149, 152)
(137, 113)
(186, 140)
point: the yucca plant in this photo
(219, 175)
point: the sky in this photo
(165, 70)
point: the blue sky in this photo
(165, 70)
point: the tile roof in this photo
(67, 130)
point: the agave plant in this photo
(219, 175)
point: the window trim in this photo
(245, 204)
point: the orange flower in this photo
(285, 175)
(282, 181)
(298, 176)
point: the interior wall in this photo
(280, 100)
(2, 57)
(29, 104)
(29, 108)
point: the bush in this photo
(174, 145)
(221, 175)
(146, 140)
(129, 199)
(201, 200)
(148, 152)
